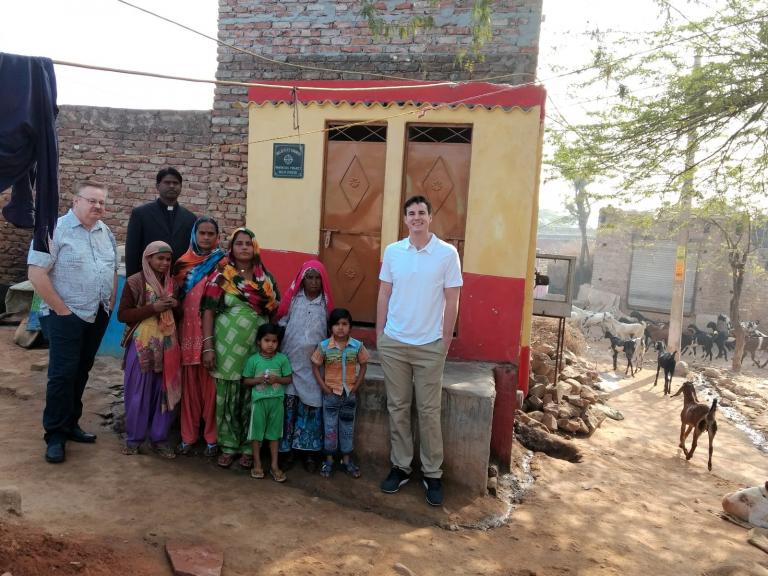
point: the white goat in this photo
(621, 330)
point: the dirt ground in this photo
(633, 506)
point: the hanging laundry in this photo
(29, 149)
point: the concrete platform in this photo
(467, 414)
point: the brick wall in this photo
(125, 148)
(616, 235)
(332, 35)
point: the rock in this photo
(592, 418)
(541, 379)
(550, 422)
(194, 559)
(568, 425)
(493, 471)
(541, 363)
(575, 386)
(588, 394)
(567, 412)
(403, 570)
(585, 379)
(612, 413)
(712, 373)
(10, 501)
(724, 402)
(551, 408)
(561, 389)
(537, 390)
(39, 366)
(534, 403)
(536, 415)
(681, 368)
(544, 348)
(753, 403)
(548, 399)
(583, 428)
(568, 372)
(552, 445)
(493, 486)
(577, 401)
(727, 395)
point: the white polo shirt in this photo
(418, 278)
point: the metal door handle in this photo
(328, 232)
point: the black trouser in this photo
(73, 346)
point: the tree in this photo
(386, 26)
(737, 223)
(574, 163)
(642, 137)
(680, 135)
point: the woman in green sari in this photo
(239, 299)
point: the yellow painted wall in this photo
(286, 213)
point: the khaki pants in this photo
(409, 371)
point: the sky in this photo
(109, 33)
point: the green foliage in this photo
(664, 107)
(383, 26)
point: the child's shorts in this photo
(266, 420)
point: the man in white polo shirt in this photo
(415, 316)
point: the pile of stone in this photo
(571, 405)
(734, 393)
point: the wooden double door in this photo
(353, 193)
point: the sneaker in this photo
(397, 479)
(434, 489)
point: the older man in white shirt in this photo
(77, 280)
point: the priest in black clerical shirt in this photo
(164, 219)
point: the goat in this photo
(753, 345)
(697, 417)
(657, 333)
(665, 361)
(687, 342)
(640, 318)
(623, 331)
(630, 348)
(719, 339)
(702, 339)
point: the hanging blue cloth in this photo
(29, 149)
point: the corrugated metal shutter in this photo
(652, 275)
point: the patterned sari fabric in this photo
(303, 426)
(241, 306)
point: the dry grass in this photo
(545, 330)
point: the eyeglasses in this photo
(93, 202)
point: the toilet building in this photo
(330, 164)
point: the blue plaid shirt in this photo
(81, 266)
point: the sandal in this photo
(246, 461)
(257, 473)
(225, 460)
(184, 449)
(351, 469)
(278, 476)
(211, 450)
(129, 450)
(164, 450)
(326, 469)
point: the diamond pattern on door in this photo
(350, 275)
(354, 184)
(438, 184)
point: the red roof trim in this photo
(469, 93)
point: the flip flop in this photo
(164, 450)
(278, 476)
(225, 460)
(257, 473)
(246, 461)
(351, 469)
(130, 450)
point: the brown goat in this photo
(696, 417)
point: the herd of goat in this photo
(635, 334)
